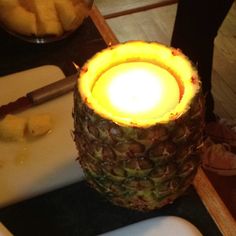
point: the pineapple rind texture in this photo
(139, 164)
(139, 168)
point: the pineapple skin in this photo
(139, 168)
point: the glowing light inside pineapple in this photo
(137, 90)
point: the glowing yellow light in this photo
(137, 90)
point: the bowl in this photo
(41, 22)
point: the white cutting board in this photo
(28, 169)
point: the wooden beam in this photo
(214, 204)
(102, 26)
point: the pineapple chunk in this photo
(27, 4)
(67, 14)
(7, 4)
(42, 18)
(81, 12)
(39, 124)
(18, 19)
(12, 128)
(48, 21)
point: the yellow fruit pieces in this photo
(12, 128)
(17, 18)
(39, 124)
(42, 18)
(48, 22)
(15, 128)
(66, 13)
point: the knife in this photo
(40, 95)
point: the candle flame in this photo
(135, 91)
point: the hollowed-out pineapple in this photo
(144, 165)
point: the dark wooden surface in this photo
(77, 209)
(17, 55)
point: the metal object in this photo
(40, 95)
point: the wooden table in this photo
(18, 215)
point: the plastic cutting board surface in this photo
(30, 168)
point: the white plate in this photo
(158, 226)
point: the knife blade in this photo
(40, 95)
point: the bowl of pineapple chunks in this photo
(43, 21)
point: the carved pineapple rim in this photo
(170, 59)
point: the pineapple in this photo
(17, 18)
(47, 18)
(141, 166)
(39, 124)
(43, 18)
(12, 128)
